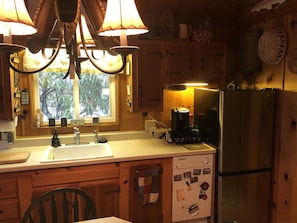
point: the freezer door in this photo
(246, 135)
(244, 198)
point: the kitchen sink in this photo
(76, 152)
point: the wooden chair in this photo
(62, 205)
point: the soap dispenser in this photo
(55, 139)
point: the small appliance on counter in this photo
(181, 132)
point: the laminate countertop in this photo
(128, 147)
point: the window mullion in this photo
(76, 97)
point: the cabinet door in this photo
(181, 66)
(105, 195)
(212, 64)
(133, 194)
(145, 83)
(6, 112)
(139, 208)
(9, 208)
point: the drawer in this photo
(8, 188)
(9, 209)
(75, 174)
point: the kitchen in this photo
(271, 76)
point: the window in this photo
(93, 95)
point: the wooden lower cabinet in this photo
(113, 188)
(105, 196)
(131, 196)
(101, 182)
(9, 208)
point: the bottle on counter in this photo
(55, 139)
(39, 118)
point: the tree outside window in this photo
(58, 97)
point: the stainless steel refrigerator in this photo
(240, 124)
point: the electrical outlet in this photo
(77, 122)
(3, 135)
(148, 124)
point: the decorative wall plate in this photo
(272, 46)
(292, 61)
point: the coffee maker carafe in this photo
(179, 121)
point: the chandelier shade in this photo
(88, 40)
(122, 16)
(15, 19)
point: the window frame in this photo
(45, 129)
(88, 120)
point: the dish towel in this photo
(148, 186)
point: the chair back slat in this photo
(54, 210)
(75, 209)
(42, 213)
(65, 208)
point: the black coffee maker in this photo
(181, 132)
(179, 121)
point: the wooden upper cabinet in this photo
(145, 82)
(160, 63)
(212, 64)
(6, 86)
(190, 62)
(181, 63)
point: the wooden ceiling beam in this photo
(288, 7)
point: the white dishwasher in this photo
(192, 188)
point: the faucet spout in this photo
(96, 137)
(76, 135)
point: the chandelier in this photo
(74, 25)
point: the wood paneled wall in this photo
(284, 203)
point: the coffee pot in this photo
(179, 121)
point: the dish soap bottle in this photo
(39, 118)
(55, 139)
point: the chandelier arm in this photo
(67, 73)
(39, 69)
(92, 60)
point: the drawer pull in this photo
(1, 211)
(112, 191)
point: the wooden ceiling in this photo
(216, 12)
(197, 13)
(194, 12)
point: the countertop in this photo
(134, 146)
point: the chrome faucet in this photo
(96, 137)
(76, 135)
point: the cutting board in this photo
(13, 157)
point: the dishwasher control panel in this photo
(192, 187)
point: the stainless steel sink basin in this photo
(76, 152)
